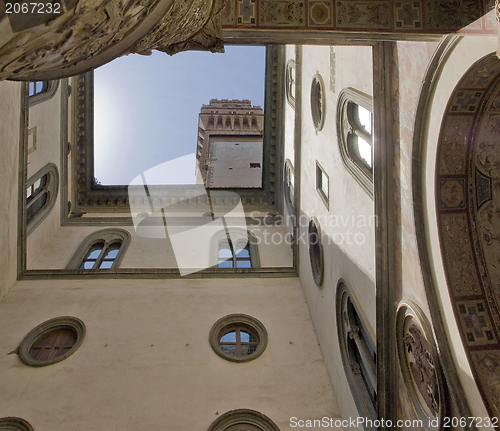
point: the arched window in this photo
(41, 193)
(355, 135)
(358, 353)
(235, 248)
(290, 82)
(39, 91)
(37, 87)
(103, 249)
(289, 183)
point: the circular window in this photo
(14, 424)
(419, 365)
(243, 419)
(318, 100)
(52, 341)
(238, 338)
(316, 251)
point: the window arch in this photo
(101, 250)
(355, 135)
(290, 82)
(243, 419)
(358, 353)
(41, 194)
(235, 248)
(40, 91)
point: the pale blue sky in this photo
(146, 108)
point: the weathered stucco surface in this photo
(146, 362)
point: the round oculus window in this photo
(14, 424)
(243, 420)
(318, 100)
(316, 251)
(52, 341)
(238, 338)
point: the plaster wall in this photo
(10, 108)
(146, 362)
(350, 214)
(156, 251)
(45, 117)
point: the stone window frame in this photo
(236, 235)
(50, 188)
(289, 185)
(346, 126)
(408, 311)
(233, 321)
(48, 92)
(11, 423)
(320, 187)
(43, 329)
(290, 83)
(318, 102)
(243, 419)
(358, 351)
(316, 255)
(107, 236)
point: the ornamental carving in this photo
(95, 32)
(420, 366)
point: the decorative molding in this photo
(90, 34)
(66, 322)
(233, 320)
(422, 117)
